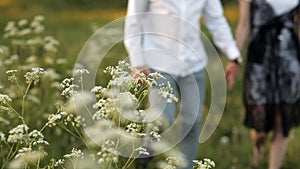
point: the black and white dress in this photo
(272, 75)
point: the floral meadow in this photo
(41, 91)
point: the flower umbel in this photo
(18, 134)
(204, 164)
(35, 75)
(4, 99)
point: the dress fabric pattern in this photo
(272, 76)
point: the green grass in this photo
(73, 28)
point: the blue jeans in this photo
(191, 91)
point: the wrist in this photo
(237, 61)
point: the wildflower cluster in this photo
(24, 27)
(4, 99)
(35, 75)
(27, 44)
(120, 101)
(135, 129)
(12, 75)
(64, 118)
(37, 138)
(166, 91)
(108, 153)
(69, 89)
(50, 44)
(18, 134)
(204, 164)
(56, 163)
(142, 151)
(105, 109)
(169, 163)
(75, 153)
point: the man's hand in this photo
(231, 72)
(144, 70)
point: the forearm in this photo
(220, 29)
(243, 28)
(241, 35)
(134, 30)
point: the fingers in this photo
(231, 73)
(230, 81)
(140, 70)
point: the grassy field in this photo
(229, 146)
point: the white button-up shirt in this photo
(165, 34)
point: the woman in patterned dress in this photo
(272, 73)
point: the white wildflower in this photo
(61, 61)
(121, 77)
(75, 153)
(78, 121)
(11, 25)
(18, 134)
(66, 83)
(37, 25)
(172, 161)
(40, 141)
(39, 29)
(70, 91)
(82, 71)
(9, 72)
(126, 99)
(4, 99)
(106, 108)
(108, 152)
(166, 92)
(59, 162)
(12, 75)
(36, 134)
(50, 44)
(35, 75)
(23, 22)
(39, 18)
(142, 151)
(53, 119)
(24, 32)
(204, 164)
(154, 133)
(68, 88)
(140, 116)
(49, 47)
(99, 91)
(224, 140)
(10, 29)
(37, 137)
(11, 60)
(2, 136)
(24, 150)
(68, 119)
(135, 129)
(169, 163)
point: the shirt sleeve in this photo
(134, 31)
(219, 28)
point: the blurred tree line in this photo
(86, 4)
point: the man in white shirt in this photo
(164, 35)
